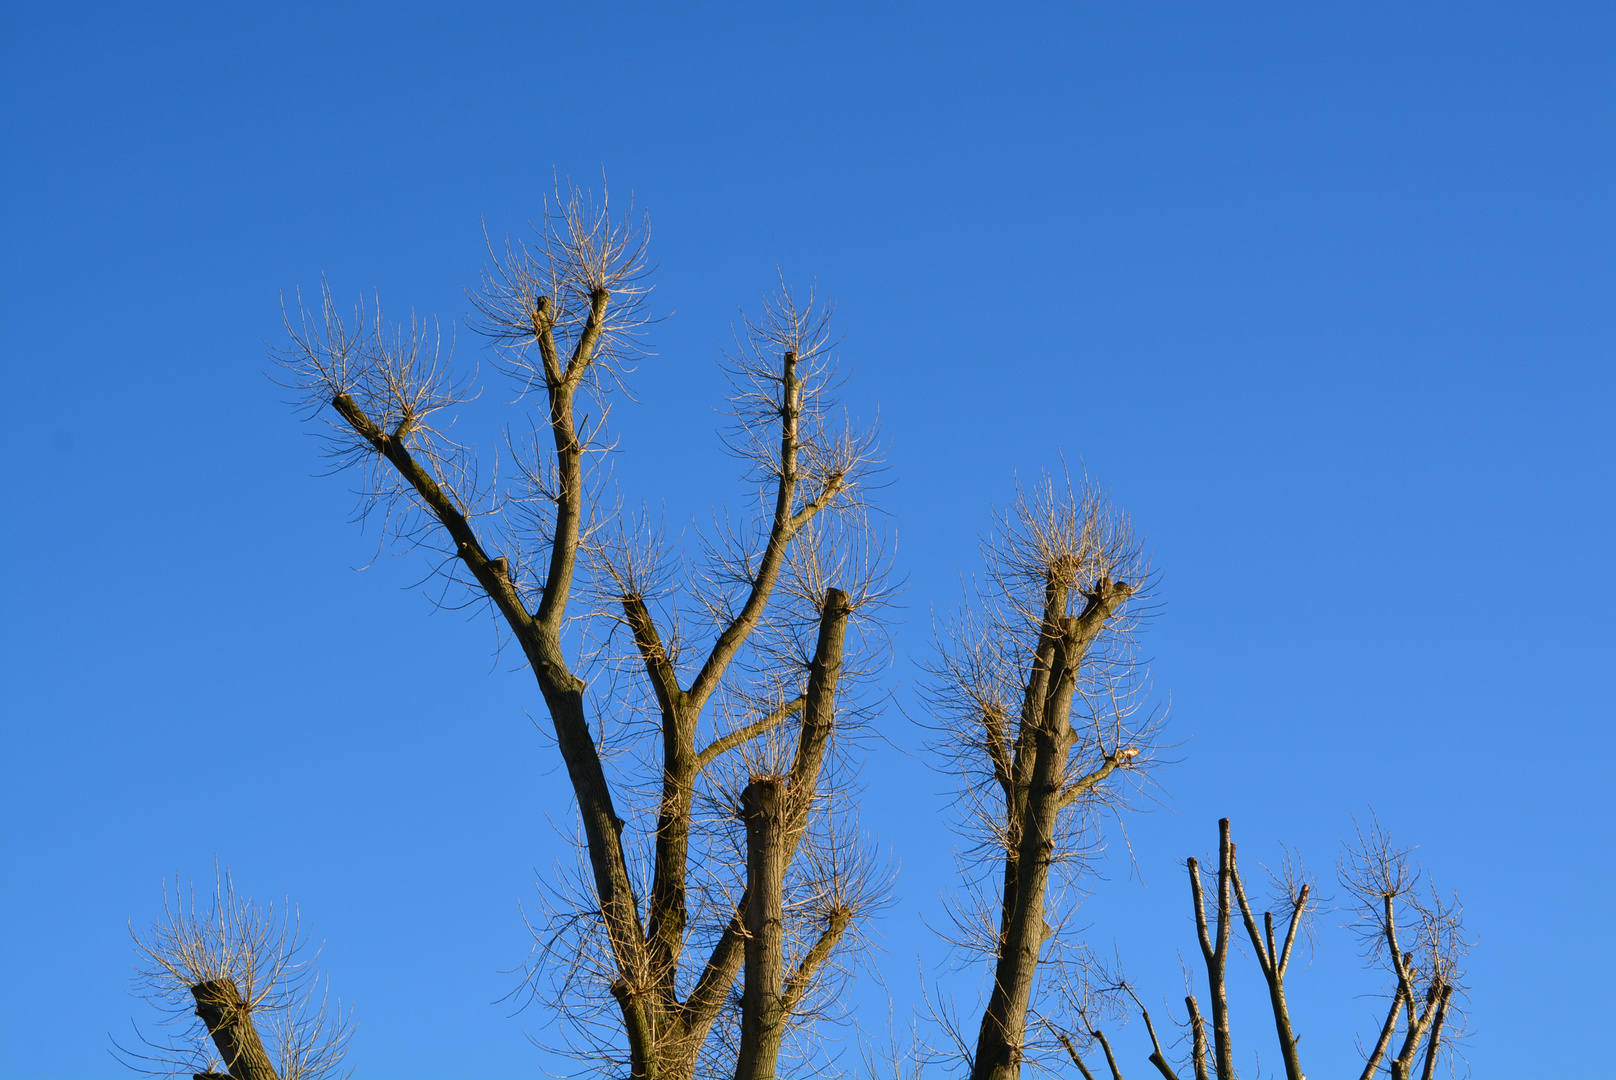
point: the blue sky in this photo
(1322, 293)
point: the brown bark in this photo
(818, 725)
(796, 988)
(763, 804)
(229, 1021)
(1072, 1052)
(1110, 1058)
(776, 810)
(1037, 792)
(1436, 999)
(819, 715)
(1157, 1058)
(999, 1044)
(539, 635)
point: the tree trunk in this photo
(762, 1011)
(226, 1015)
(1000, 1042)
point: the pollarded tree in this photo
(238, 982)
(723, 683)
(1037, 692)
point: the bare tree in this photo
(1037, 690)
(1418, 936)
(234, 976)
(656, 674)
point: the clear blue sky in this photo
(1323, 293)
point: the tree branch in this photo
(658, 669)
(1110, 1058)
(1272, 968)
(1264, 959)
(1197, 1037)
(539, 636)
(1297, 911)
(998, 748)
(1071, 1052)
(1433, 1044)
(1156, 1057)
(819, 706)
(1387, 1030)
(782, 529)
(468, 548)
(229, 1021)
(819, 714)
(725, 743)
(1216, 956)
(1084, 784)
(583, 353)
(835, 926)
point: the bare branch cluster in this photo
(721, 652)
(1053, 556)
(239, 982)
(1419, 936)
(580, 253)
(404, 378)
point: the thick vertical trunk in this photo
(220, 1005)
(1000, 1042)
(762, 1009)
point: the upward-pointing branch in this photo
(1273, 968)
(784, 526)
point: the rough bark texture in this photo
(776, 810)
(762, 1007)
(229, 1022)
